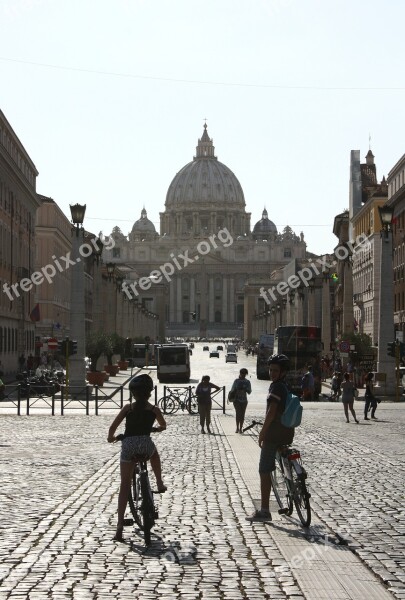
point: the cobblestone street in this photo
(58, 511)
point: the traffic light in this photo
(72, 347)
(61, 346)
(391, 349)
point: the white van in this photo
(173, 363)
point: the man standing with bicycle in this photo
(273, 434)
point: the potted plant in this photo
(97, 343)
(117, 347)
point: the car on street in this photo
(214, 354)
(206, 348)
(220, 347)
(231, 357)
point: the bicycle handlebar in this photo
(120, 436)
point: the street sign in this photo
(344, 346)
(52, 344)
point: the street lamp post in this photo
(385, 363)
(77, 369)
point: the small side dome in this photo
(264, 226)
(143, 229)
(143, 225)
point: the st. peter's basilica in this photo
(204, 219)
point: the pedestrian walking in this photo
(308, 385)
(204, 400)
(336, 386)
(241, 387)
(348, 395)
(371, 400)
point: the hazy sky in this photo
(109, 99)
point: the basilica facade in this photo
(192, 274)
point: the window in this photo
(116, 252)
(287, 252)
(217, 316)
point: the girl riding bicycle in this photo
(139, 418)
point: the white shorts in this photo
(134, 445)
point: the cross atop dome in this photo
(205, 147)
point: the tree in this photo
(98, 343)
(117, 346)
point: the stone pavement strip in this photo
(57, 514)
(322, 568)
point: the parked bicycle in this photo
(140, 499)
(289, 482)
(178, 398)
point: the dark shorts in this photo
(268, 453)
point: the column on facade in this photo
(196, 228)
(172, 301)
(224, 315)
(348, 313)
(212, 224)
(179, 312)
(311, 307)
(192, 294)
(211, 318)
(231, 300)
(300, 304)
(326, 320)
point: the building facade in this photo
(396, 199)
(205, 220)
(18, 205)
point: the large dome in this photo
(204, 181)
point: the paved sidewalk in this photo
(58, 510)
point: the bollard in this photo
(96, 400)
(28, 399)
(19, 400)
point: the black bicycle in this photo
(289, 482)
(178, 398)
(140, 499)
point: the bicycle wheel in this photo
(147, 507)
(169, 407)
(281, 490)
(301, 496)
(193, 405)
(135, 499)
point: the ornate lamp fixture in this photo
(77, 211)
(386, 216)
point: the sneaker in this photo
(366, 418)
(357, 421)
(202, 431)
(259, 515)
(376, 418)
